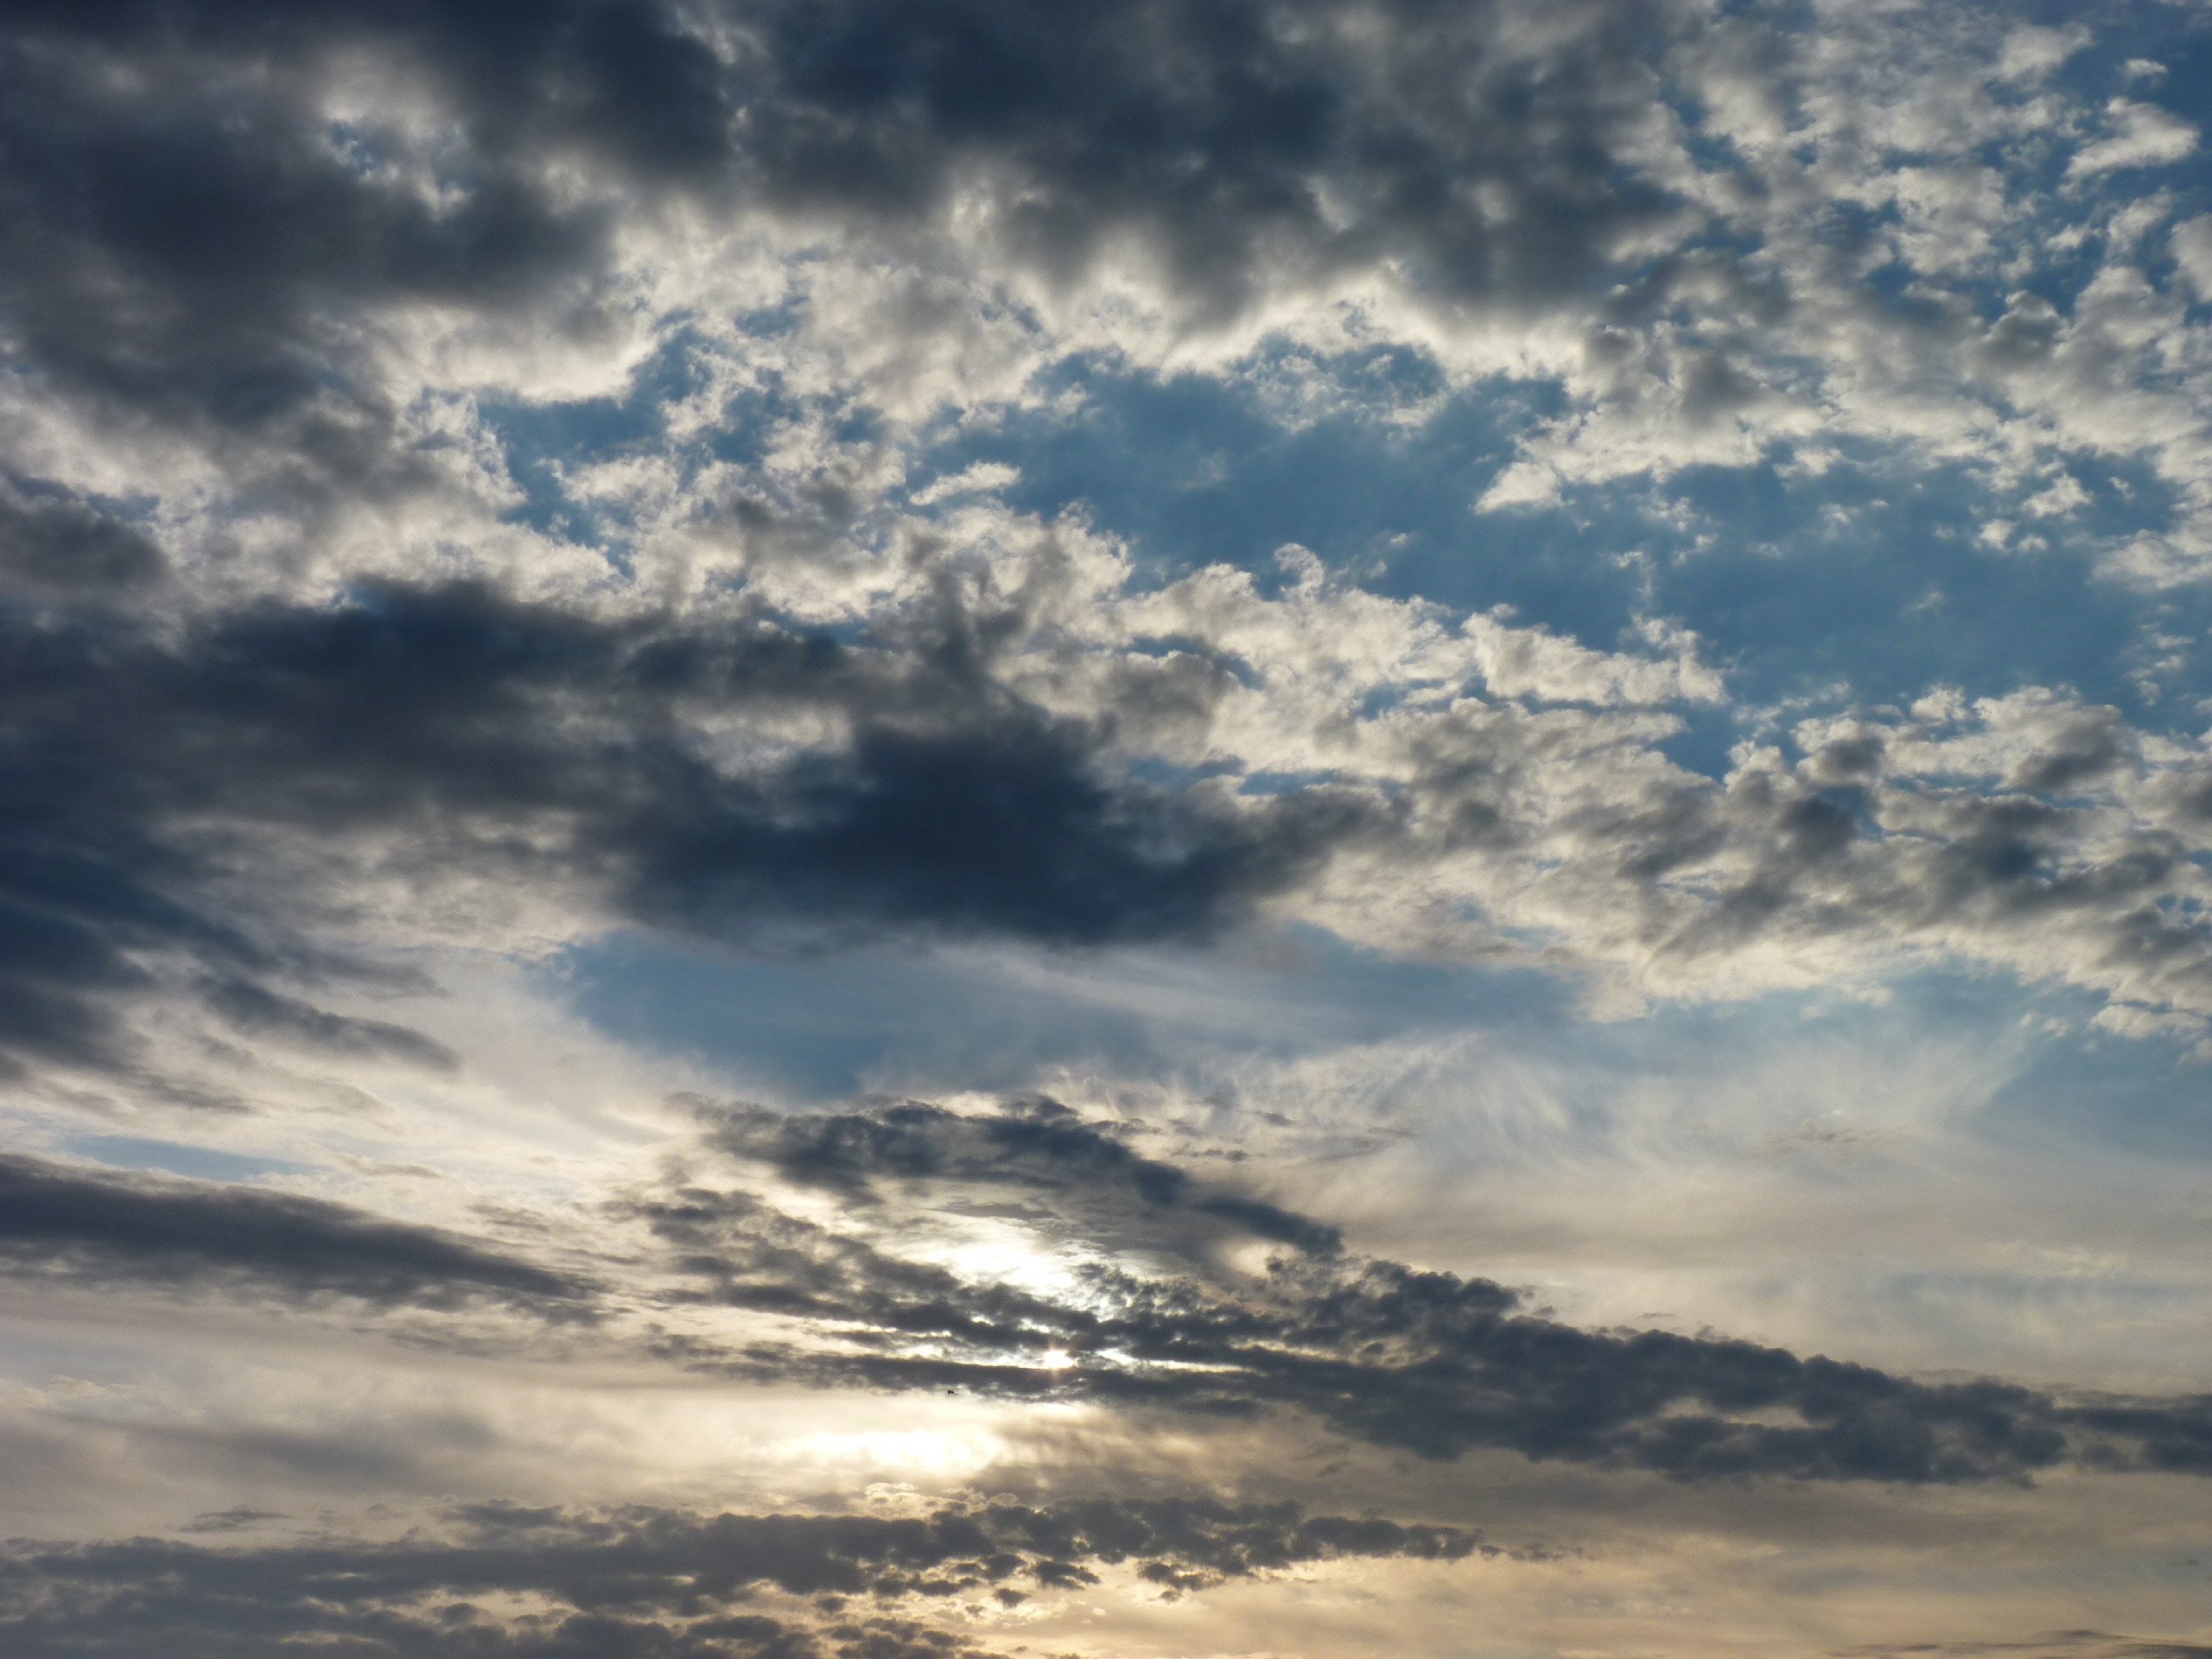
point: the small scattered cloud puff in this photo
(2192, 252)
(2143, 134)
(1534, 664)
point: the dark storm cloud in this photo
(1036, 1143)
(75, 1225)
(53, 545)
(650, 1581)
(1426, 1362)
(1244, 144)
(505, 740)
(189, 245)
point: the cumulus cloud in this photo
(1670, 215)
(2192, 252)
(2142, 136)
(1331, 143)
(1018, 740)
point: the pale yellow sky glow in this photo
(1165, 829)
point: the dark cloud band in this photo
(502, 741)
(73, 1225)
(1426, 1362)
(645, 1581)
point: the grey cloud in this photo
(2175, 1437)
(196, 251)
(84, 1227)
(1226, 139)
(1589, 169)
(60, 545)
(1438, 1366)
(2080, 747)
(730, 1248)
(455, 735)
(507, 741)
(1248, 145)
(202, 249)
(1006, 829)
(651, 1581)
(236, 1518)
(2091, 1645)
(262, 1012)
(1427, 1361)
(2037, 837)
(1037, 1143)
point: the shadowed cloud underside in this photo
(857, 830)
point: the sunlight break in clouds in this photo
(937, 830)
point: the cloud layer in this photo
(657, 1582)
(1119, 575)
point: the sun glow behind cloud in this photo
(899, 830)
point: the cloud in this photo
(205, 256)
(264, 1012)
(72, 1226)
(492, 739)
(1116, 1307)
(659, 1581)
(1669, 216)
(2144, 135)
(1036, 1143)
(1666, 213)
(2191, 243)
(480, 480)
(1019, 741)
(794, 710)
(60, 545)
(1420, 1361)
(2102, 1644)
(1477, 149)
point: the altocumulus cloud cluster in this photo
(560, 564)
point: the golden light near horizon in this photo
(935, 830)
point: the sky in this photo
(942, 829)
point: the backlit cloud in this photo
(857, 829)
